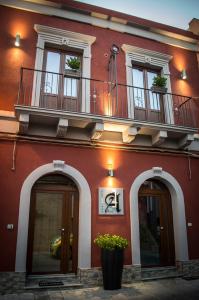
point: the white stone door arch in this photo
(178, 209)
(84, 237)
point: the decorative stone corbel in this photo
(129, 135)
(97, 131)
(62, 128)
(159, 138)
(23, 123)
(186, 141)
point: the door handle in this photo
(161, 227)
(62, 229)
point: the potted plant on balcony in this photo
(112, 259)
(159, 84)
(73, 66)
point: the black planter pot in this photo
(112, 267)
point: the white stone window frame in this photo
(149, 57)
(71, 39)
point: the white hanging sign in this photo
(111, 201)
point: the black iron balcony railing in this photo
(72, 93)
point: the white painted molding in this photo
(84, 239)
(163, 36)
(142, 55)
(69, 38)
(178, 209)
(58, 165)
(56, 36)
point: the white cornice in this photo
(174, 40)
(41, 29)
(132, 49)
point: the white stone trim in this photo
(178, 208)
(163, 36)
(84, 239)
(76, 40)
(159, 59)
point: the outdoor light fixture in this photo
(110, 170)
(184, 74)
(114, 49)
(17, 40)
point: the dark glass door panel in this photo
(149, 208)
(46, 257)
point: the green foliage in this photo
(73, 63)
(111, 242)
(159, 81)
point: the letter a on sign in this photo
(111, 201)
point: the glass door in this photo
(147, 105)
(47, 232)
(61, 85)
(53, 231)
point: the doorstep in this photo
(52, 282)
(159, 273)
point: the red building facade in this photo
(62, 131)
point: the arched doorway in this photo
(178, 211)
(155, 224)
(53, 226)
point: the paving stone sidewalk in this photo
(167, 289)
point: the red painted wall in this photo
(16, 21)
(127, 165)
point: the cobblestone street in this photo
(174, 289)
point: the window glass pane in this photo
(138, 83)
(154, 98)
(51, 83)
(70, 87)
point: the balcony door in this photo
(61, 86)
(156, 225)
(148, 106)
(53, 227)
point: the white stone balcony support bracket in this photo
(129, 135)
(62, 128)
(186, 141)
(97, 131)
(23, 123)
(159, 138)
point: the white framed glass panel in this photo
(51, 83)
(70, 87)
(154, 98)
(138, 89)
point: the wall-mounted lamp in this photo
(110, 170)
(114, 49)
(184, 74)
(17, 40)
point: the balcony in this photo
(105, 111)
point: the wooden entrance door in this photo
(53, 230)
(156, 225)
